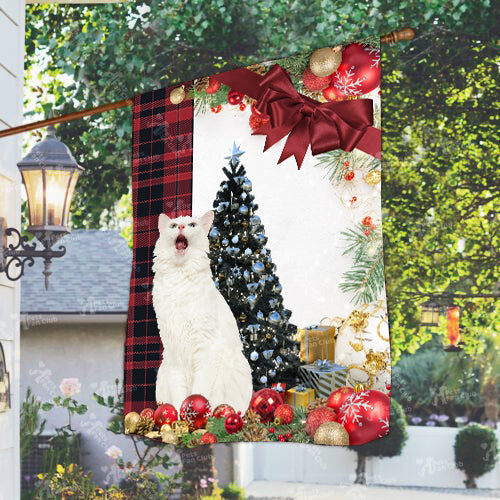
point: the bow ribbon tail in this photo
(297, 142)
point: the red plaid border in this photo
(162, 173)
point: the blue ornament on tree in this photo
(268, 354)
(254, 355)
(252, 287)
(252, 299)
(235, 239)
(274, 318)
(260, 315)
(246, 275)
(243, 209)
(255, 220)
(272, 373)
(248, 251)
(225, 242)
(277, 288)
(214, 233)
(227, 223)
(258, 267)
(247, 184)
(263, 379)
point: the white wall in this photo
(427, 460)
(11, 88)
(91, 352)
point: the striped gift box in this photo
(323, 376)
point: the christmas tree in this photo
(245, 275)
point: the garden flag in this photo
(257, 297)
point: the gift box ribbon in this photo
(323, 365)
(323, 126)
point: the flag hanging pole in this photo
(393, 37)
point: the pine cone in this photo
(201, 84)
(144, 425)
(195, 442)
(257, 68)
(317, 403)
(251, 417)
(255, 433)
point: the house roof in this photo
(92, 278)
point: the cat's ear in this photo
(207, 221)
(163, 222)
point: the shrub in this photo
(476, 452)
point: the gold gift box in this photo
(317, 342)
(299, 396)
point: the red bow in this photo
(324, 126)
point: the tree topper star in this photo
(234, 154)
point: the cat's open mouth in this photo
(181, 244)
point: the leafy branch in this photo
(366, 278)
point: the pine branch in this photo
(295, 65)
(371, 41)
(366, 278)
(204, 102)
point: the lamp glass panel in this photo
(34, 191)
(55, 195)
(71, 192)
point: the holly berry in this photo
(271, 430)
(216, 109)
(373, 226)
(354, 198)
(349, 176)
(243, 106)
(367, 221)
(346, 163)
(367, 232)
(388, 387)
(280, 437)
(389, 393)
(213, 86)
(288, 435)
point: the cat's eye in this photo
(192, 224)
(173, 225)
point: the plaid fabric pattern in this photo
(162, 173)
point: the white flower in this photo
(70, 386)
(114, 452)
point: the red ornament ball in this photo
(332, 93)
(388, 387)
(359, 72)
(195, 410)
(365, 416)
(208, 438)
(222, 411)
(367, 221)
(243, 106)
(257, 121)
(285, 412)
(338, 397)
(271, 430)
(313, 82)
(234, 97)
(317, 417)
(165, 414)
(213, 86)
(349, 176)
(233, 423)
(216, 109)
(148, 413)
(264, 402)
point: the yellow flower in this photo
(60, 469)
(40, 476)
(70, 468)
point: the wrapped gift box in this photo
(299, 396)
(317, 342)
(323, 376)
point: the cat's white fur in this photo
(202, 350)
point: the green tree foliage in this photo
(476, 452)
(440, 183)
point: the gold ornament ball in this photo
(170, 437)
(177, 95)
(180, 427)
(332, 434)
(325, 61)
(373, 178)
(131, 420)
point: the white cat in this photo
(202, 350)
